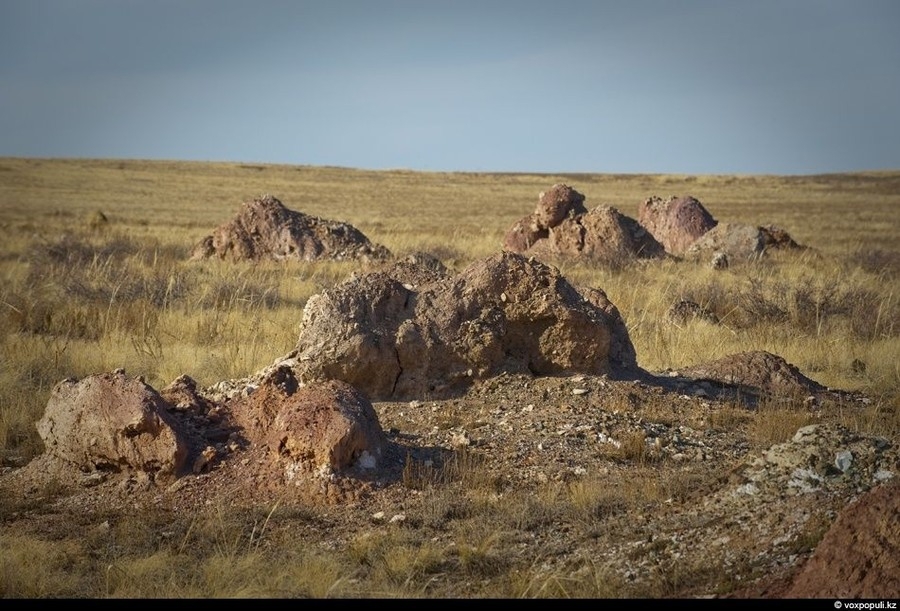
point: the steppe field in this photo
(96, 277)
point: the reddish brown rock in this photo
(561, 226)
(111, 422)
(328, 426)
(182, 395)
(675, 222)
(523, 235)
(554, 206)
(265, 229)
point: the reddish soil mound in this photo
(859, 557)
(757, 372)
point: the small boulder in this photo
(322, 427)
(111, 422)
(555, 205)
(328, 427)
(738, 242)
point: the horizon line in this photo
(432, 171)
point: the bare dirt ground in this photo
(678, 487)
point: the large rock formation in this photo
(392, 339)
(265, 229)
(675, 222)
(111, 422)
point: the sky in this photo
(631, 86)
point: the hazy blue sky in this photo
(673, 86)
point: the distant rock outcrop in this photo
(555, 205)
(265, 229)
(603, 235)
(676, 222)
(561, 226)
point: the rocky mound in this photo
(112, 425)
(265, 229)
(676, 222)
(507, 313)
(680, 227)
(603, 235)
(561, 226)
(739, 242)
(857, 558)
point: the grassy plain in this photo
(95, 276)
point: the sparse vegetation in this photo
(93, 256)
